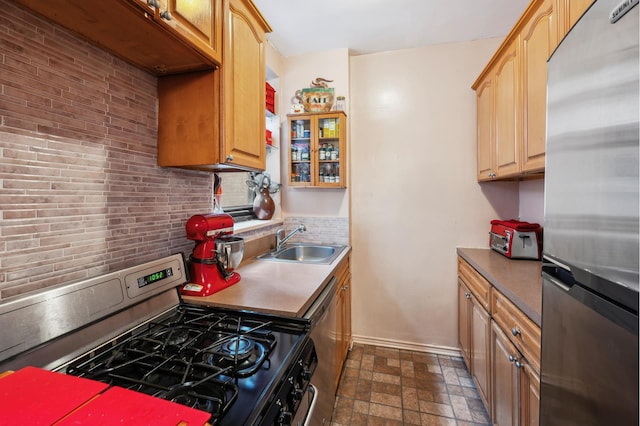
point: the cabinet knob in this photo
(516, 331)
(512, 358)
(467, 295)
(519, 364)
(345, 287)
(153, 3)
(166, 15)
(229, 158)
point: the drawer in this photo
(480, 287)
(523, 332)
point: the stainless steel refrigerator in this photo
(589, 357)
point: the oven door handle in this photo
(312, 407)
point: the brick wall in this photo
(80, 192)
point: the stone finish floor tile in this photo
(387, 386)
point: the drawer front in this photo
(480, 287)
(523, 332)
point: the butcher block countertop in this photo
(280, 288)
(519, 280)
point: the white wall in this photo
(297, 73)
(414, 196)
(531, 203)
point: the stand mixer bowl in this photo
(230, 251)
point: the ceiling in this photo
(369, 26)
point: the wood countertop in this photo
(519, 280)
(280, 288)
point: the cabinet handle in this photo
(229, 158)
(345, 287)
(519, 364)
(153, 3)
(516, 331)
(512, 358)
(467, 295)
(166, 15)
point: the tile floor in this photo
(383, 386)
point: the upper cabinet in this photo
(539, 39)
(160, 36)
(511, 92)
(215, 119)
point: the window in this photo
(237, 198)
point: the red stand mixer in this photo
(214, 256)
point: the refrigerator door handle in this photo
(562, 285)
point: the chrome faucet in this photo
(280, 240)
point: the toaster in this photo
(515, 239)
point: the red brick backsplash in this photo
(80, 191)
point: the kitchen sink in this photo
(304, 253)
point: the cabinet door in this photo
(480, 344)
(301, 150)
(529, 396)
(539, 39)
(330, 150)
(243, 91)
(464, 322)
(485, 129)
(343, 316)
(504, 379)
(570, 12)
(507, 120)
(198, 22)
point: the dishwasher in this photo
(322, 317)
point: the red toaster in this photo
(515, 239)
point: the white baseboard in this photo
(418, 347)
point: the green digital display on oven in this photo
(155, 277)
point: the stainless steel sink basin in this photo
(304, 253)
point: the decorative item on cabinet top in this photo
(318, 98)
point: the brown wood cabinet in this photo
(501, 347)
(343, 316)
(140, 31)
(474, 327)
(214, 120)
(318, 149)
(539, 37)
(511, 92)
(504, 377)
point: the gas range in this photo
(244, 368)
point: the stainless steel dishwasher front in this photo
(322, 316)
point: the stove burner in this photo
(238, 346)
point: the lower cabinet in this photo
(492, 343)
(504, 376)
(474, 333)
(343, 316)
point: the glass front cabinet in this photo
(317, 154)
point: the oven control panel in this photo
(288, 398)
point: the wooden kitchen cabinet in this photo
(343, 316)
(539, 39)
(214, 120)
(504, 379)
(140, 32)
(501, 347)
(317, 152)
(474, 326)
(511, 94)
(570, 12)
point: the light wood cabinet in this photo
(570, 12)
(214, 120)
(317, 152)
(343, 316)
(507, 113)
(505, 379)
(501, 347)
(139, 32)
(511, 92)
(198, 22)
(474, 327)
(539, 39)
(529, 396)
